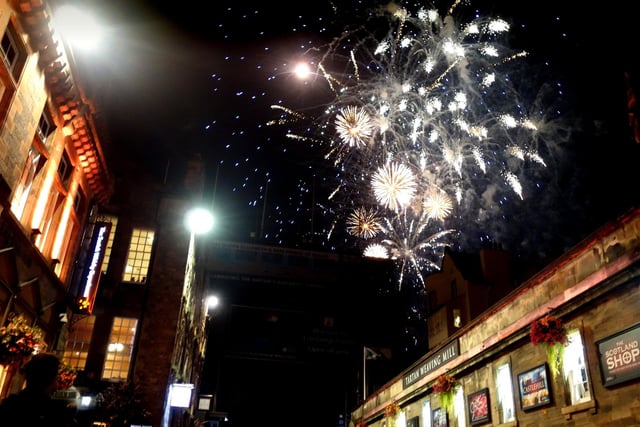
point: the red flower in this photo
(548, 330)
(66, 376)
(444, 384)
(18, 340)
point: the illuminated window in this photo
(33, 165)
(460, 411)
(118, 356)
(426, 414)
(575, 369)
(139, 256)
(457, 318)
(107, 251)
(77, 346)
(504, 389)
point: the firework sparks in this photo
(376, 250)
(409, 244)
(354, 126)
(438, 205)
(434, 102)
(394, 186)
(363, 223)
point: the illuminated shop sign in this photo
(620, 356)
(91, 273)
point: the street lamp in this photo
(199, 221)
(77, 27)
(212, 302)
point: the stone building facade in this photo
(53, 174)
(93, 253)
(504, 379)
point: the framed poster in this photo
(440, 418)
(620, 356)
(534, 387)
(479, 407)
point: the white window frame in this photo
(427, 414)
(576, 370)
(505, 393)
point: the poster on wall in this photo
(440, 418)
(620, 356)
(479, 412)
(534, 387)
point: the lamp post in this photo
(198, 221)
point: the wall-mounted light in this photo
(180, 395)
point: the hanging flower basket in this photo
(18, 340)
(445, 386)
(66, 376)
(392, 410)
(550, 332)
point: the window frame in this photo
(14, 52)
(582, 366)
(120, 363)
(133, 260)
(502, 394)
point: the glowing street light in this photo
(199, 221)
(212, 302)
(78, 27)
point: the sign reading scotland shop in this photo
(451, 351)
(620, 356)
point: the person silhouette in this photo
(33, 406)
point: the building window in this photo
(426, 414)
(575, 369)
(457, 318)
(401, 419)
(33, 165)
(139, 256)
(64, 169)
(112, 232)
(14, 52)
(460, 411)
(120, 349)
(45, 127)
(504, 389)
(36, 159)
(77, 346)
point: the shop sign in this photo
(451, 351)
(620, 356)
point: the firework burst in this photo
(363, 223)
(424, 124)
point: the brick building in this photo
(84, 254)
(506, 380)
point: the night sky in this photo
(200, 81)
(199, 78)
